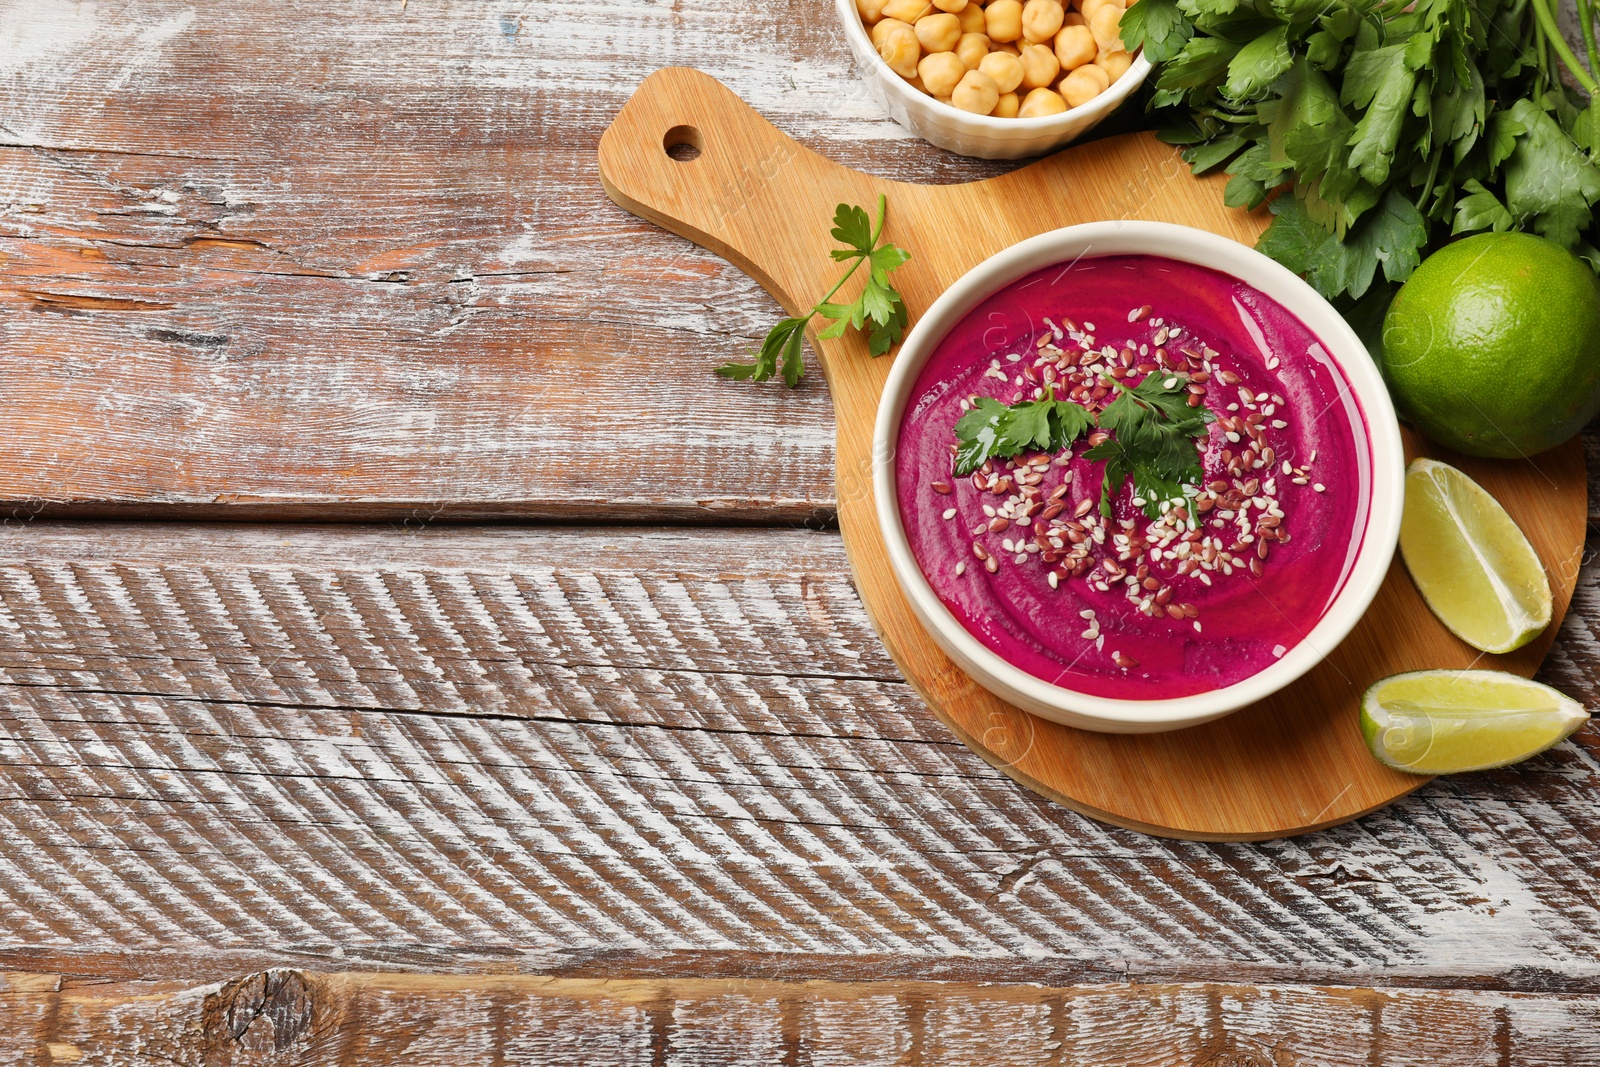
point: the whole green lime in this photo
(1493, 346)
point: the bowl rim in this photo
(1107, 101)
(1385, 452)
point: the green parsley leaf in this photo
(879, 310)
(1200, 66)
(1548, 181)
(1159, 28)
(851, 227)
(1392, 235)
(1382, 81)
(1503, 133)
(995, 430)
(1480, 209)
(1258, 64)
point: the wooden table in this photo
(492, 688)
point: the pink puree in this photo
(1247, 622)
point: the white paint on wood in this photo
(238, 738)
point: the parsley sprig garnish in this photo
(878, 303)
(1153, 428)
(993, 429)
(1154, 431)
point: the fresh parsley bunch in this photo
(1395, 123)
(878, 305)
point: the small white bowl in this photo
(959, 131)
(1384, 452)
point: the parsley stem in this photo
(1586, 23)
(1427, 186)
(1552, 33)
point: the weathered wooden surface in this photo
(362, 219)
(288, 1016)
(646, 754)
(603, 755)
(184, 190)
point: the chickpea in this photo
(972, 48)
(1041, 102)
(907, 11)
(1004, 20)
(938, 33)
(1084, 84)
(1009, 48)
(1006, 71)
(1115, 64)
(941, 72)
(882, 28)
(1106, 25)
(1089, 7)
(870, 11)
(971, 18)
(951, 6)
(1006, 108)
(898, 46)
(1074, 18)
(976, 92)
(1039, 66)
(1041, 19)
(916, 83)
(1074, 47)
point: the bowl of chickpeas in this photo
(999, 79)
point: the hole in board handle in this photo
(682, 143)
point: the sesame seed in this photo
(1319, 487)
(961, 568)
(949, 513)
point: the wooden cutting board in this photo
(1293, 763)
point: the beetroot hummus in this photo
(1218, 586)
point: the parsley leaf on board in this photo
(995, 430)
(879, 311)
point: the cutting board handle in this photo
(690, 156)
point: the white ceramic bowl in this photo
(977, 135)
(1384, 452)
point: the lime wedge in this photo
(1469, 561)
(1442, 722)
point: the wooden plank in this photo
(199, 248)
(293, 1016)
(646, 753)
